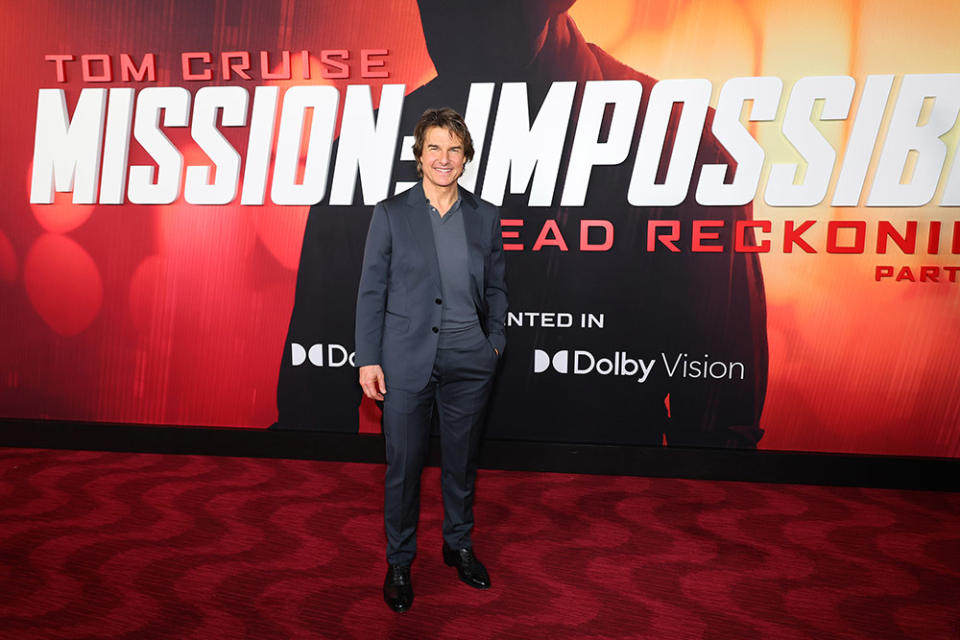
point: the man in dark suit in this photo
(431, 308)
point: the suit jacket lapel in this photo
(421, 229)
(474, 232)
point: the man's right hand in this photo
(371, 380)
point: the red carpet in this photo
(108, 545)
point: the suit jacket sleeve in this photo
(495, 288)
(372, 294)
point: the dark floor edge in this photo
(894, 472)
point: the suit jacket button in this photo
(435, 330)
(438, 301)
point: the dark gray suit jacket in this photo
(399, 302)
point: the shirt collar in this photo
(453, 208)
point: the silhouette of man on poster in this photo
(627, 302)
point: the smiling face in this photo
(443, 157)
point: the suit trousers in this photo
(459, 387)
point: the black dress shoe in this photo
(468, 567)
(397, 590)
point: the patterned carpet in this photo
(112, 545)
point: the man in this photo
(431, 307)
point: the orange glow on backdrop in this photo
(839, 341)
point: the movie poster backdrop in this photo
(726, 224)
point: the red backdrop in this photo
(174, 314)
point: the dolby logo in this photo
(580, 362)
(321, 355)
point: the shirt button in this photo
(435, 330)
(438, 301)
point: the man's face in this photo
(441, 159)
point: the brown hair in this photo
(445, 118)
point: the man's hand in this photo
(371, 380)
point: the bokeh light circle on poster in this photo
(8, 260)
(63, 284)
(62, 215)
(149, 291)
(202, 238)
